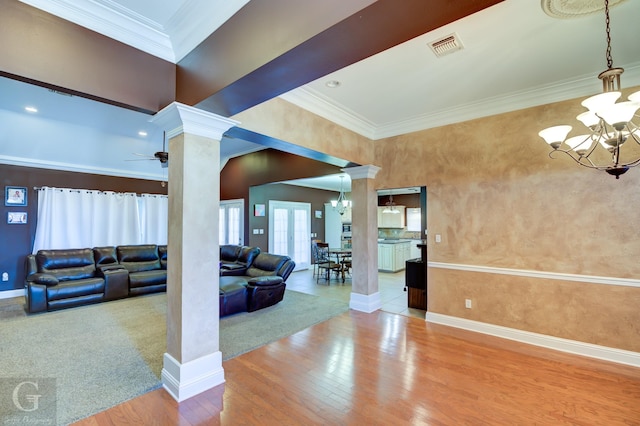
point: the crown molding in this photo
(196, 20)
(112, 20)
(585, 85)
(68, 167)
(312, 101)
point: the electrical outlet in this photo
(256, 232)
(5, 276)
(438, 238)
(467, 303)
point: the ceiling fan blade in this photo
(141, 159)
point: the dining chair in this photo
(324, 263)
(346, 266)
(317, 258)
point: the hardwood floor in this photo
(389, 369)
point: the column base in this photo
(183, 381)
(365, 303)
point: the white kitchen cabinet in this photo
(391, 220)
(392, 257)
(385, 257)
(400, 256)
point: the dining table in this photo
(342, 254)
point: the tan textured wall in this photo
(600, 314)
(283, 120)
(498, 200)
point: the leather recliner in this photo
(263, 285)
(146, 274)
(57, 279)
(235, 259)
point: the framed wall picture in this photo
(259, 210)
(318, 214)
(15, 196)
(17, 217)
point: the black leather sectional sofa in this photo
(250, 279)
(58, 279)
(64, 278)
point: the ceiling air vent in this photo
(446, 45)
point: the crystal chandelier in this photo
(341, 204)
(609, 124)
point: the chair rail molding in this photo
(626, 282)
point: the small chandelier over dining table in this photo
(341, 204)
(609, 124)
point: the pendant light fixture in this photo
(390, 206)
(341, 204)
(609, 124)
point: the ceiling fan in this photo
(162, 156)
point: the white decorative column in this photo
(365, 296)
(193, 362)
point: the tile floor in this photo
(390, 285)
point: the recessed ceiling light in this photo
(333, 84)
(31, 109)
(142, 133)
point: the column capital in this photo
(362, 172)
(177, 118)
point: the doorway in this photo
(231, 224)
(290, 231)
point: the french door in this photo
(231, 222)
(290, 231)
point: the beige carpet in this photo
(104, 354)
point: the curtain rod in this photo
(39, 188)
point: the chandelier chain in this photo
(608, 22)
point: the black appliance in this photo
(416, 280)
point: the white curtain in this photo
(154, 218)
(79, 218)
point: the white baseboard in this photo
(365, 303)
(8, 294)
(565, 345)
(183, 381)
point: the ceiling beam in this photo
(39, 48)
(272, 46)
(271, 142)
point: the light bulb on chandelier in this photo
(609, 124)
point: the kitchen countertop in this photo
(394, 241)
